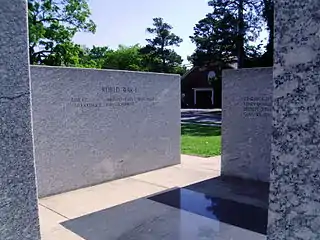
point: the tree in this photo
(151, 60)
(157, 48)
(174, 63)
(52, 25)
(94, 57)
(268, 14)
(125, 58)
(248, 16)
(215, 40)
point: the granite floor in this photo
(187, 201)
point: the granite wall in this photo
(246, 123)
(294, 209)
(18, 193)
(91, 126)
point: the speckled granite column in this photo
(294, 211)
(18, 195)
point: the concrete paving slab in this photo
(60, 233)
(67, 206)
(200, 163)
(83, 201)
(176, 176)
(49, 220)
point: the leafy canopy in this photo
(52, 25)
(161, 57)
(230, 33)
(215, 40)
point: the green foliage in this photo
(229, 31)
(246, 12)
(93, 58)
(163, 35)
(125, 58)
(52, 25)
(159, 56)
(130, 58)
(248, 21)
(215, 40)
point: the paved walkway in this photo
(201, 116)
(63, 207)
(166, 204)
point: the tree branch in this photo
(41, 52)
(51, 19)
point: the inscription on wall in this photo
(116, 96)
(257, 106)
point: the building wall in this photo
(198, 78)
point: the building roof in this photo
(234, 66)
(188, 72)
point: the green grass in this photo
(198, 140)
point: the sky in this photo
(125, 21)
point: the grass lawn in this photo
(198, 140)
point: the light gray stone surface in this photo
(18, 195)
(246, 123)
(84, 143)
(294, 209)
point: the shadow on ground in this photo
(240, 203)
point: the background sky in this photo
(125, 21)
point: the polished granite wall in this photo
(18, 192)
(294, 211)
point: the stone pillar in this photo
(246, 123)
(18, 194)
(294, 209)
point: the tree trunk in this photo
(163, 64)
(241, 34)
(31, 56)
(163, 57)
(269, 16)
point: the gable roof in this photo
(188, 72)
(228, 65)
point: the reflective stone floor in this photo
(176, 214)
(216, 208)
(237, 214)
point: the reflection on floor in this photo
(227, 211)
(177, 203)
(144, 219)
(173, 215)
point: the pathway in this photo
(188, 201)
(201, 116)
